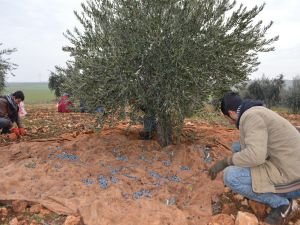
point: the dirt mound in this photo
(114, 178)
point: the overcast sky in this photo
(35, 28)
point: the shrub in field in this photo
(55, 82)
(265, 89)
(292, 98)
(58, 78)
(5, 65)
(163, 56)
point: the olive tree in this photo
(164, 56)
(59, 77)
(6, 66)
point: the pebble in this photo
(207, 155)
(171, 201)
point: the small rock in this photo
(72, 220)
(238, 197)
(215, 198)
(44, 212)
(19, 206)
(216, 207)
(171, 201)
(259, 209)
(75, 134)
(36, 208)
(34, 222)
(20, 217)
(229, 209)
(245, 202)
(3, 212)
(244, 218)
(24, 222)
(222, 219)
(227, 189)
(297, 222)
(14, 221)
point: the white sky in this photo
(35, 28)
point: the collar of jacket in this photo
(12, 104)
(246, 104)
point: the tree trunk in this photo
(164, 130)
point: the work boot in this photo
(281, 215)
(144, 135)
(5, 130)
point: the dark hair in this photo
(19, 95)
(230, 101)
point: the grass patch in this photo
(210, 115)
(37, 218)
(35, 93)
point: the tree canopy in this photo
(167, 56)
(6, 66)
(292, 98)
(265, 89)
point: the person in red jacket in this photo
(9, 113)
(64, 104)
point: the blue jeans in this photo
(238, 179)
(5, 123)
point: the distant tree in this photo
(293, 96)
(58, 79)
(55, 82)
(167, 56)
(255, 91)
(265, 89)
(6, 66)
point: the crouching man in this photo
(9, 112)
(267, 167)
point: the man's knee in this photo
(230, 176)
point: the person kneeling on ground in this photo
(9, 112)
(65, 104)
(267, 167)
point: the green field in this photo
(35, 93)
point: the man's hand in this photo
(22, 131)
(218, 167)
(15, 131)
